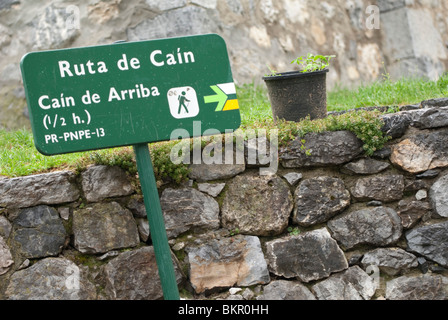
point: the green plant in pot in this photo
(295, 95)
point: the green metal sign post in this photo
(131, 93)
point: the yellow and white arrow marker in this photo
(222, 97)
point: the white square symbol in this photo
(183, 102)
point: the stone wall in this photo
(409, 36)
(330, 224)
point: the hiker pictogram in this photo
(183, 102)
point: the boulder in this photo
(133, 275)
(102, 227)
(384, 188)
(101, 182)
(378, 226)
(430, 118)
(257, 205)
(5, 227)
(188, 209)
(207, 172)
(396, 124)
(425, 287)
(320, 149)
(286, 290)
(351, 284)
(430, 241)
(365, 166)
(212, 189)
(391, 261)
(51, 279)
(421, 152)
(326, 255)
(47, 188)
(411, 212)
(437, 195)
(5, 257)
(293, 177)
(38, 232)
(226, 262)
(319, 199)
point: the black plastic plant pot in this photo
(296, 95)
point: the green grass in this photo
(387, 93)
(19, 157)
(254, 104)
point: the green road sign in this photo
(128, 93)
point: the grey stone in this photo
(227, 262)
(384, 188)
(64, 213)
(188, 209)
(50, 29)
(143, 228)
(185, 21)
(430, 241)
(421, 151)
(430, 118)
(425, 287)
(383, 153)
(293, 178)
(48, 188)
(327, 256)
(137, 207)
(208, 172)
(38, 232)
(51, 279)
(6, 259)
(165, 5)
(411, 212)
(248, 294)
(428, 174)
(387, 5)
(5, 227)
(102, 227)
(365, 166)
(412, 43)
(416, 185)
(212, 189)
(319, 199)
(437, 102)
(351, 284)
(101, 182)
(257, 205)
(396, 124)
(391, 261)
(378, 226)
(286, 290)
(327, 148)
(133, 275)
(438, 196)
(374, 203)
(421, 195)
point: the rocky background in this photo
(330, 225)
(403, 37)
